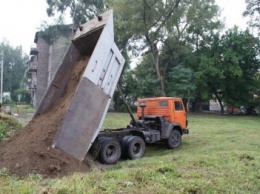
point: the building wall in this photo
(48, 60)
(42, 69)
(33, 87)
(58, 50)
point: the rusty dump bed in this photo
(87, 109)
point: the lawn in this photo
(220, 155)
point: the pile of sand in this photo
(30, 150)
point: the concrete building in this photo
(44, 60)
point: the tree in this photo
(138, 82)
(51, 33)
(253, 12)
(180, 82)
(229, 65)
(146, 25)
(14, 68)
(80, 10)
(145, 22)
(179, 75)
(142, 81)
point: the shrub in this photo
(122, 108)
(24, 95)
(8, 126)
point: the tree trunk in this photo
(153, 42)
(220, 103)
(222, 107)
(155, 53)
(160, 77)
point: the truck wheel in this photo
(174, 140)
(135, 147)
(125, 147)
(110, 151)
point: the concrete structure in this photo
(44, 61)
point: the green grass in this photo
(25, 107)
(116, 120)
(8, 126)
(220, 155)
(17, 108)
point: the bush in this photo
(8, 126)
(24, 95)
(9, 102)
(123, 108)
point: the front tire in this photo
(174, 140)
(110, 151)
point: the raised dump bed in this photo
(94, 47)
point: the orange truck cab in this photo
(170, 108)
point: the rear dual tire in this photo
(133, 147)
(110, 151)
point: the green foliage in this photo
(253, 12)
(179, 75)
(34, 176)
(228, 66)
(8, 126)
(142, 81)
(125, 85)
(123, 108)
(14, 67)
(24, 95)
(180, 82)
(80, 11)
(4, 172)
(51, 33)
(140, 25)
(148, 25)
(201, 18)
(9, 102)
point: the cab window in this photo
(163, 103)
(178, 105)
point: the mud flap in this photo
(167, 128)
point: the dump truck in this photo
(158, 119)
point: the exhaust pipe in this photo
(142, 105)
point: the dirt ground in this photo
(30, 150)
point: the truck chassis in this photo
(129, 143)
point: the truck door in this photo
(179, 113)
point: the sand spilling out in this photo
(30, 150)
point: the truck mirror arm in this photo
(127, 107)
